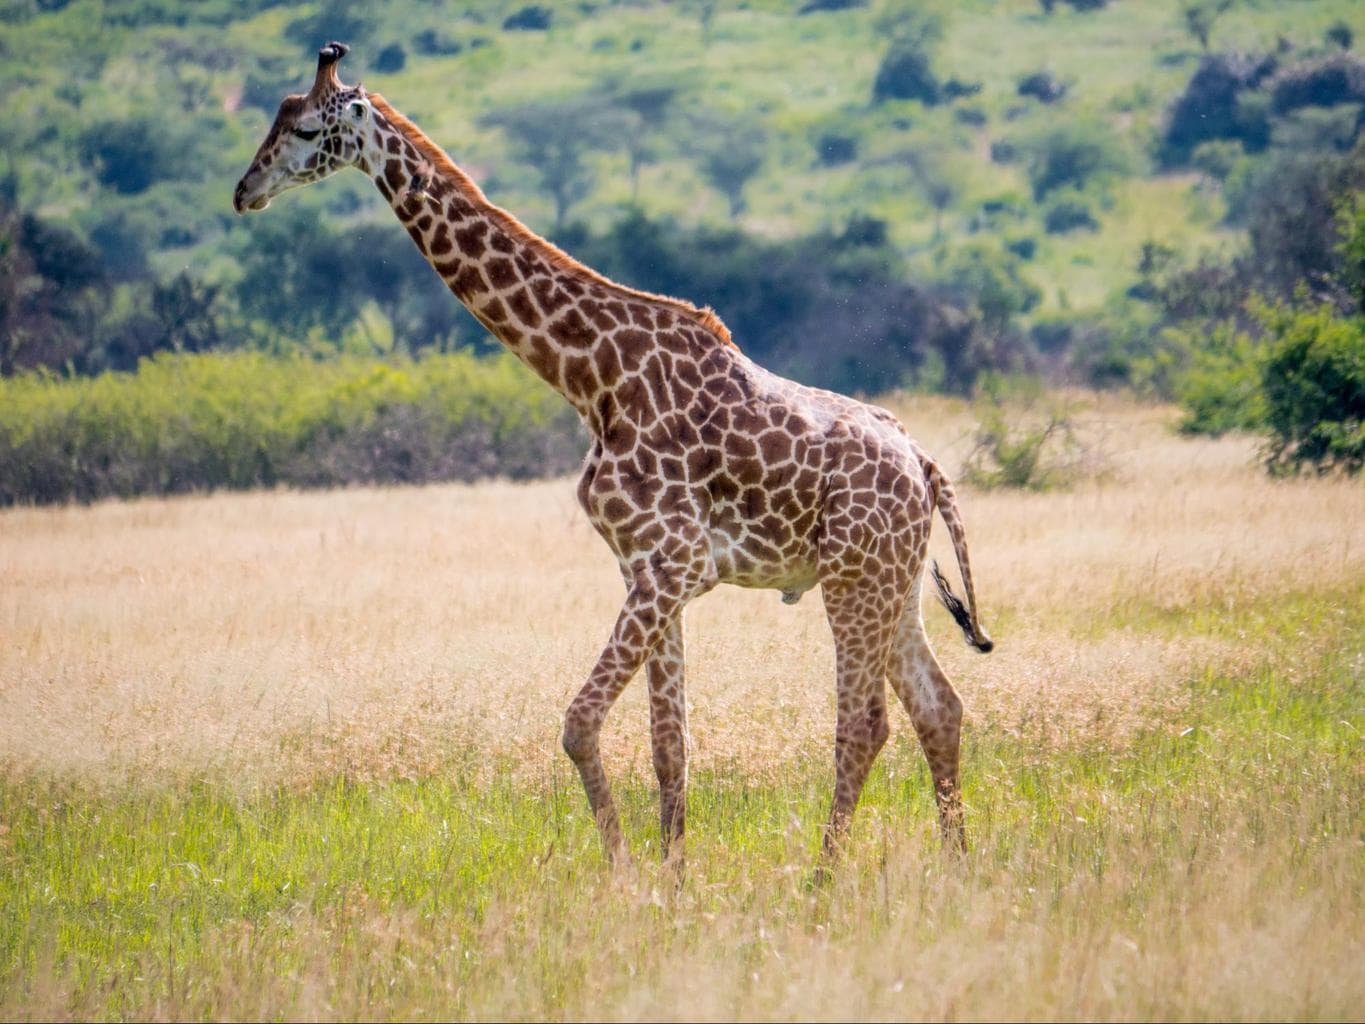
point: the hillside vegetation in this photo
(872, 195)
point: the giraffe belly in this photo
(749, 561)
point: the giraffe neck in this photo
(582, 333)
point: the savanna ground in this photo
(296, 755)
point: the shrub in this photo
(1339, 34)
(1068, 214)
(835, 148)
(533, 18)
(1004, 151)
(990, 282)
(1023, 442)
(1218, 158)
(1212, 107)
(243, 420)
(433, 42)
(1326, 82)
(1289, 205)
(133, 153)
(391, 59)
(1313, 378)
(906, 71)
(1220, 388)
(1072, 154)
(1043, 86)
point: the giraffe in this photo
(704, 468)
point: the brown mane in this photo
(704, 316)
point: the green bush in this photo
(1070, 154)
(240, 420)
(1313, 377)
(1220, 389)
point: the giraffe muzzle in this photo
(242, 204)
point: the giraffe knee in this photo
(579, 738)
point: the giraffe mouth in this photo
(242, 204)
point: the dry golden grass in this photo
(284, 637)
(272, 644)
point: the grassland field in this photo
(295, 755)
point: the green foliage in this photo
(1068, 213)
(989, 281)
(906, 70)
(731, 151)
(1199, 17)
(1072, 153)
(1023, 440)
(1220, 386)
(1217, 158)
(1350, 250)
(555, 137)
(238, 420)
(1339, 34)
(1220, 101)
(828, 308)
(52, 285)
(1314, 382)
(1289, 206)
(298, 273)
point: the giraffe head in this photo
(313, 136)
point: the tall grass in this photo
(295, 755)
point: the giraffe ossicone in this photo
(704, 467)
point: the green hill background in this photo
(872, 195)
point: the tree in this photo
(731, 152)
(935, 181)
(990, 282)
(1314, 384)
(1071, 154)
(555, 136)
(418, 306)
(298, 274)
(1200, 16)
(1290, 208)
(906, 71)
(52, 289)
(643, 106)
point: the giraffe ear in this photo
(358, 111)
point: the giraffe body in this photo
(704, 467)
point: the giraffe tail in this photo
(963, 613)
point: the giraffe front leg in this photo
(658, 591)
(668, 736)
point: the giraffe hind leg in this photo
(935, 710)
(862, 625)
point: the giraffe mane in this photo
(703, 316)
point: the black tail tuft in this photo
(958, 611)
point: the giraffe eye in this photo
(307, 135)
